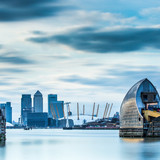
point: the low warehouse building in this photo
(140, 110)
(37, 120)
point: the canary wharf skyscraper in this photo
(55, 107)
(38, 102)
(26, 107)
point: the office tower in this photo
(26, 107)
(55, 108)
(38, 102)
(8, 111)
(51, 98)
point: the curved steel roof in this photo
(130, 116)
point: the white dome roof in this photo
(9, 124)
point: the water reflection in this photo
(2, 150)
(79, 145)
(133, 140)
(140, 140)
(140, 148)
(2, 143)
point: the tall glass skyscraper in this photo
(8, 111)
(55, 108)
(38, 102)
(26, 107)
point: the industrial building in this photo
(140, 111)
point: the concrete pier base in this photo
(2, 127)
(154, 128)
(131, 132)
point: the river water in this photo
(57, 144)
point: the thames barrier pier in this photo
(2, 126)
(140, 111)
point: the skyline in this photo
(84, 53)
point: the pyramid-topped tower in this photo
(38, 102)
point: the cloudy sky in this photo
(85, 51)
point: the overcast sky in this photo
(85, 51)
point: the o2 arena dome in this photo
(139, 111)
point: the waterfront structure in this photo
(116, 115)
(37, 120)
(55, 107)
(26, 107)
(52, 123)
(140, 110)
(8, 111)
(38, 102)
(2, 125)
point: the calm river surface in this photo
(56, 144)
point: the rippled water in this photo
(51, 144)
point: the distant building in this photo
(26, 107)
(52, 123)
(37, 120)
(8, 111)
(52, 97)
(38, 102)
(116, 115)
(55, 108)
(62, 123)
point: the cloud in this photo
(150, 11)
(134, 72)
(38, 32)
(92, 64)
(12, 70)
(5, 83)
(16, 10)
(117, 76)
(30, 84)
(14, 59)
(151, 15)
(93, 40)
(99, 81)
(25, 3)
(98, 18)
(61, 57)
